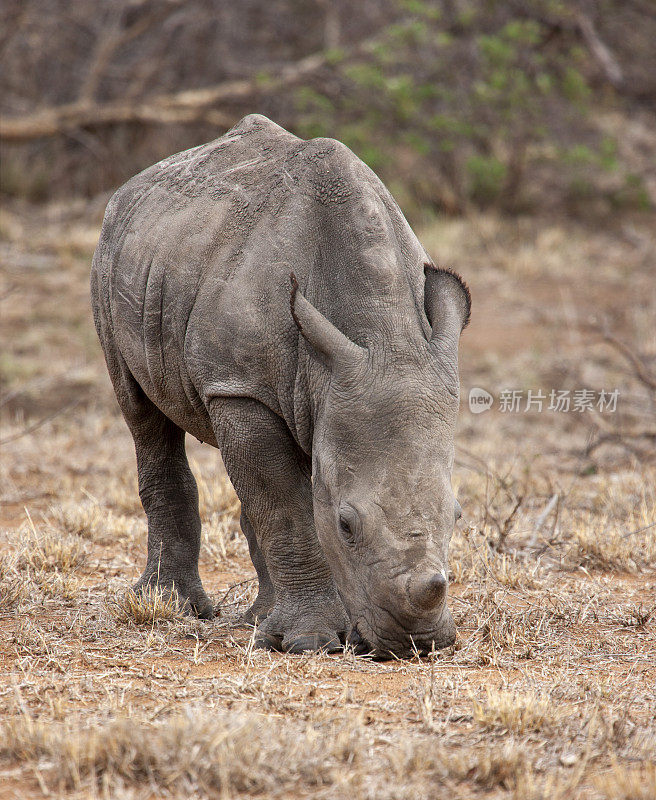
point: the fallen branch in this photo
(600, 51)
(639, 530)
(36, 425)
(191, 105)
(639, 367)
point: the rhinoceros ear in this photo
(447, 303)
(330, 344)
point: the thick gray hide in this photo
(335, 416)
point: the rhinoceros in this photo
(266, 295)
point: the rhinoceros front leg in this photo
(272, 478)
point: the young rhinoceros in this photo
(266, 295)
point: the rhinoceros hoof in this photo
(301, 633)
(308, 643)
(191, 594)
(314, 642)
(258, 612)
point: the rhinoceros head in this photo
(382, 458)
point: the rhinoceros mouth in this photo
(362, 646)
(423, 645)
(358, 643)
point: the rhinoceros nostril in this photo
(428, 592)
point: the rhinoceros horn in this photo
(330, 344)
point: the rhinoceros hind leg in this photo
(169, 496)
(271, 475)
(168, 493)
(266, 594)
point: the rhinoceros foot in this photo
(190, 592)
(299, 626)
(258, 612)
(261, 608)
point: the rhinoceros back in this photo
(192, 268)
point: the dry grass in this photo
(602, 539)
(123, 494)
(216, 497)
(247, 754)
(85, 519)
(227, 753)
(47, 550)
(506, 766)
(12, 584)
(516, 713)
(604, 549)
(622, 783)
(145, 607)
(58, 585)
(548, 693)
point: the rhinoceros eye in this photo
(347, 525)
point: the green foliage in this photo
(419, 8)
(481, 98)
(445, 96)
(607, 156)
(601, 157)
(314, 111)
(335, 55)
(263, 79)
(632, 195)
(365, 76)
(574, 85)
(487, 175)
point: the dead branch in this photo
(639, 368)
(64, 119)
(191, 105)
(117, 36)
(39, 423)
(600, 51)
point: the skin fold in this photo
(266, 295)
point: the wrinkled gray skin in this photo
(333, 404)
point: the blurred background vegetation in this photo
(523, 106)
